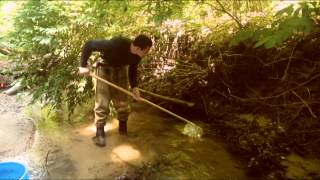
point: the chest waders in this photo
(104, 94)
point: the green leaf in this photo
(287, 10)
(262, 41)
(50, 31)
(304, 24)
(284, 34)
(297, 11)
(241, 36)
(314, 4)
(45, 41)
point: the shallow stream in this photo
(154, 149)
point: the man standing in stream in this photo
(120, 58)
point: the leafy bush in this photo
(289, 22)
(47, 52)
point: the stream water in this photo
(154, 149)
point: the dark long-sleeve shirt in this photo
(115, 52)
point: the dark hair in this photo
(142, 41)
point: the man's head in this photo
(141, 45)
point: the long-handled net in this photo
(190, 129)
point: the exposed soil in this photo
(17, 130)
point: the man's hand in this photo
(84, 71)
(136, 94)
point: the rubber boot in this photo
(123, 128)
(100, 139)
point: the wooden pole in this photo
(142, 99)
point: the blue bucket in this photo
(13, 171)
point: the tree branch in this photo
(305, 103)
(223, 9)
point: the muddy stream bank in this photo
(154, 149)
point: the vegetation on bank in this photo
(251, 67)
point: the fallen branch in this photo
(246, 55)
(288, 58)
(186, 103)
(4, 51)
(292, 104)
(312, 142)
(278, 95)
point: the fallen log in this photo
(174, 100)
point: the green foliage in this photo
(48, 38)
(162, 10)
(36, 31)
(49, 35)
(290, 22)
(47, 52)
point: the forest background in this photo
(251, 67)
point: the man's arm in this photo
(91, 46)
(88, 48)
(133, 75)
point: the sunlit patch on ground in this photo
(88, 130)
(91, 129)
(125, 153)
(112, 125)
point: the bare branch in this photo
(246, 55)
(278, 95)
(305, 103)
(288, 66)
(223, 9)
